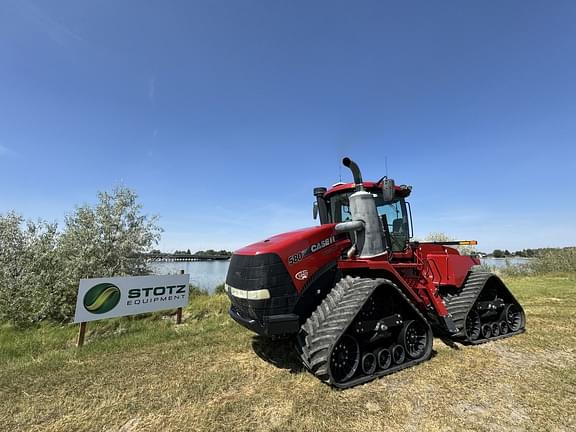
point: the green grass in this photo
(210, 374)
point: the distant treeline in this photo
(526, 253)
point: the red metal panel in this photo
(450, 269)
(303, 251)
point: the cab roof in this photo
(402, 191)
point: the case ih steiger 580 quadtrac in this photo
(361, 299)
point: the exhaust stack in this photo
(365, 221)
(349, 163)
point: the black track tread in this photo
(331, 319)
(460, 304)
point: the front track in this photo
(364, 329)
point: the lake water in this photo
(209, 274)
(203, 274)
(503, 262)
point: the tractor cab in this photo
(333, 207)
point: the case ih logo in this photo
(299, 256)
(301, 275)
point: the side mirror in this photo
(388, 189)
(315, 210)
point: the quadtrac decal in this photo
(299, 256)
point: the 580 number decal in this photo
(295, 258)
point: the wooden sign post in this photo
(81, 333)
(179, 310)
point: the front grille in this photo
(256, 272)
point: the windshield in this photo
(395, 211)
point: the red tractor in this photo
(360, 297)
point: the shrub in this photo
(220, 289)
(197, 291)
(30, 287)
(555, 261)
(40, 268)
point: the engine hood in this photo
(288, 241)
(303, 252)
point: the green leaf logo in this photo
(101, 298)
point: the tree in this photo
(29, 270)
(442, 237)
(498, 253)
(438, 237)
(108, 239)
(40, 268)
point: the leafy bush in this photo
(40, 267)
(515, 269)
(546, 261)
(29, 270)
(220, 289)
(197, 291)
(555, 261)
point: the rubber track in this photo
(459, 305)
(331, 319)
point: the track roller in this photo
(369, 363)
(398, 354)
(495, 329)
(384, 358)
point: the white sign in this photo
(103, 298)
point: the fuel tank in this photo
(274, 284)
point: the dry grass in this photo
(210, 374)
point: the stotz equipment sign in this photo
(120, 296)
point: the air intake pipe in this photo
(365, 221)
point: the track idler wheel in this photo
(345, 358)
(369, 363)
(384, 357)
(514, 317)
(398, 354)
(414, 338)
(503, 327)
(473, 325)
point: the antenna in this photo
(386, 165)
(340, 171)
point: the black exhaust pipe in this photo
(349, 163)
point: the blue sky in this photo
(223, 115)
